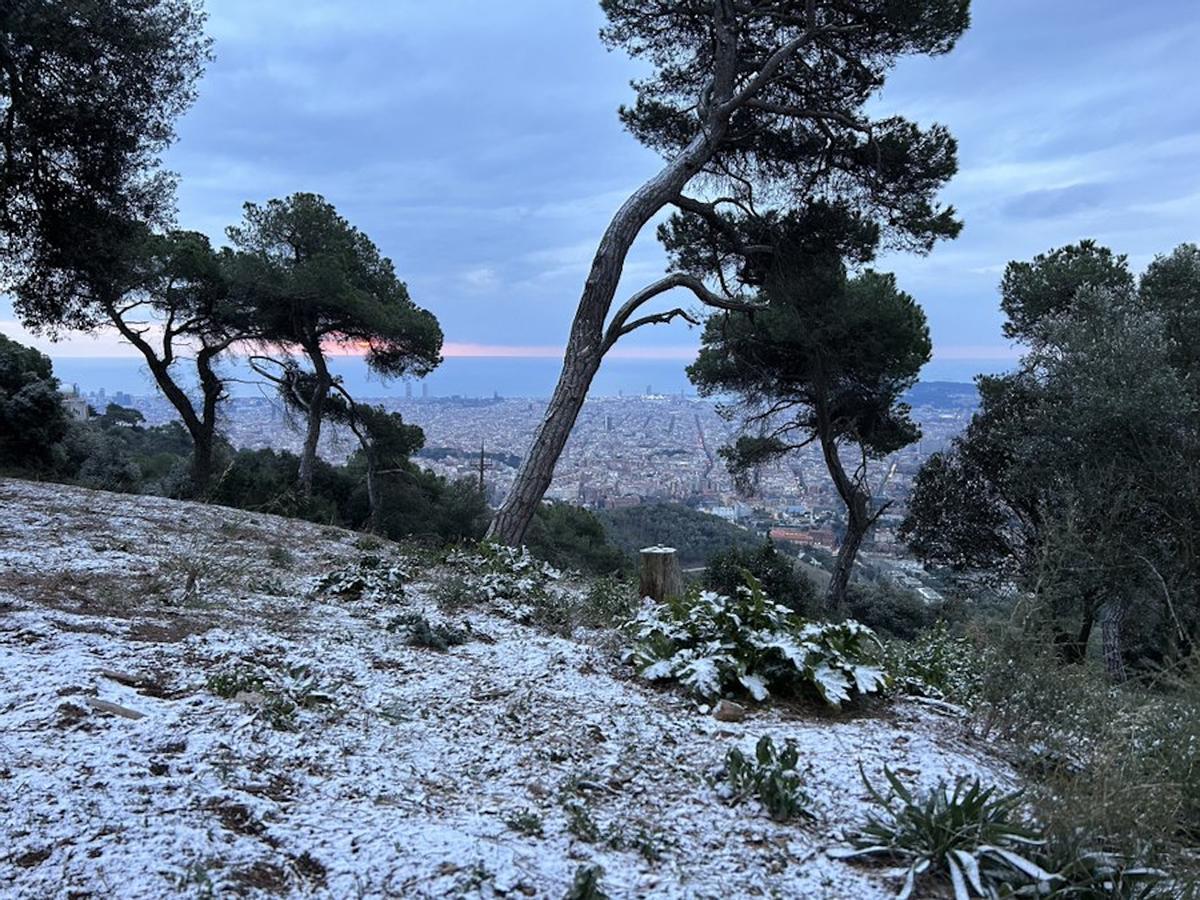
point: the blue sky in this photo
(477, 143)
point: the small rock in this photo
(728, 711)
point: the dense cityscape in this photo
(625, 451)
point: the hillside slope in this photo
(406, 769)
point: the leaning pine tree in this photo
(748, 100)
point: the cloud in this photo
(1055, 202)
(477, 144)
(482, 278)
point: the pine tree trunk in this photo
(583, 354)
(835, 594)
(372, 492)
(202, 464)
(204, 438)
(858, 518)
(312, 435)
(537, 470)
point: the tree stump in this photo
(661, 576)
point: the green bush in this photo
(715, 644)
(570, 537)
(891, 610)
(771, 776)
(278, 694)
(371, 578)
(937, 664)
(586, 885)
(418, 632)
(510, 580)
(776, 573)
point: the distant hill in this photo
(943, 395)
(696, 535)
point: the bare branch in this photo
(620, 324)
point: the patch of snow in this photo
(403, 785)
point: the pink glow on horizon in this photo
(105, 344)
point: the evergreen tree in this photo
(317, 283)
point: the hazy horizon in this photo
(464, 376)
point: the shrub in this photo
(371, 579)
(776, 573)
(971, 835)
(715, 644)
(1114, 767)
(609, 602)
(517, 585)
(586, 885)
(418, 632)
(526, 822)
(937, 664)
(892, 610)
(507, 578)
(770, 776)
(277, 694)
(570, 537)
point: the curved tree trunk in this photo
(858, 514)
(201, 427)
(537, 469)
(312, 434)
(213, 391)
(839, 583)
(373, 498)
(585, 347)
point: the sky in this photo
(477, 144)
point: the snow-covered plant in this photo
(971, 835)
(420, 632)
(527, 822)
(586, 885)
(509, 579)
(771, 776)
(371, 578)
(715, 645)
(937, 664)
(276, 694)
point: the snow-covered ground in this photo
(412, 779)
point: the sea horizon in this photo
(466, 377)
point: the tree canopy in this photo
(89, 95)
(1078, 475)
(825, 359)
(316, 282)
(32, 418)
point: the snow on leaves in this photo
(714, 644)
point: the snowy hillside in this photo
(186, 709)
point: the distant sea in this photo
(464, 377)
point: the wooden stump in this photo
(661, 576)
